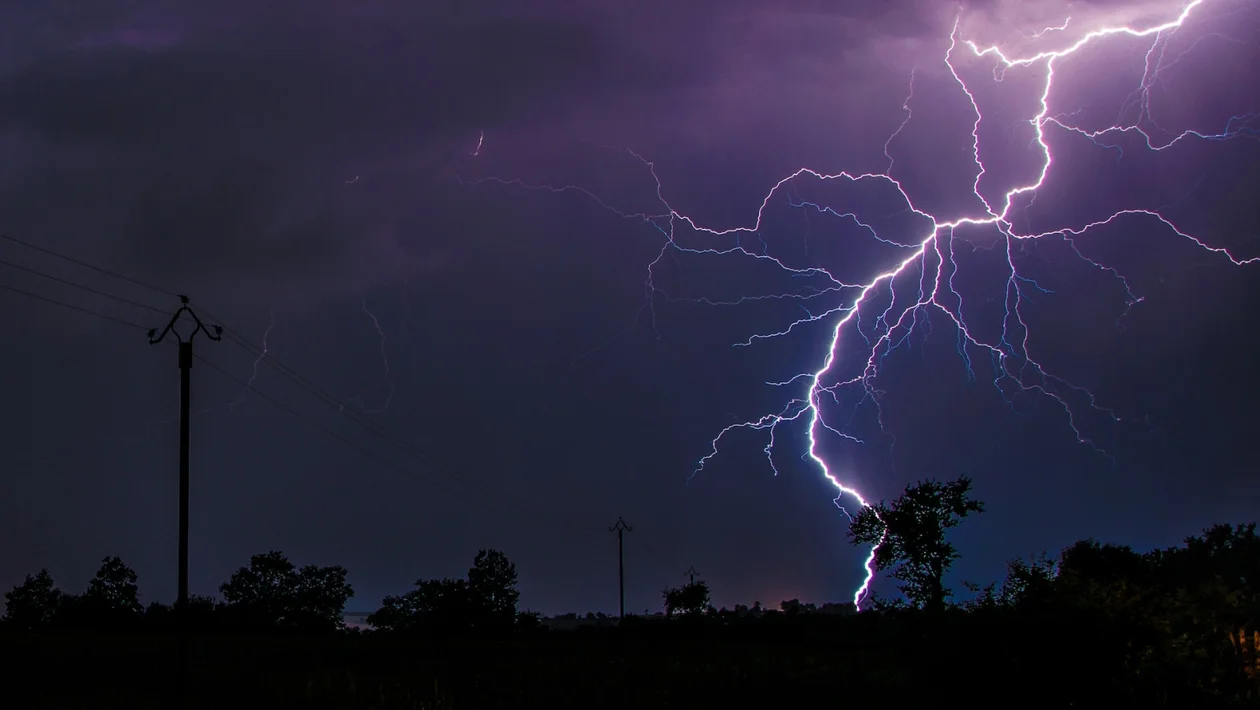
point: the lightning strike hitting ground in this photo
(929, 257)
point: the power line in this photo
(234, 336)
(286, 371)
(86, 265)
(403, 470)
(73, 307)
(408, 448)
(371, 426)
(89, 289)
(330, 433)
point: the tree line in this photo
(1187, 615)
(271, 593)
(1179, 617)
(1175, 624)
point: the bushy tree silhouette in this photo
(492, 590)
(485, 602)
(1029, 582)
(113, 592)
(33, 604)
(910, 533)
(691, 599)
(436, 606)
(272, 592)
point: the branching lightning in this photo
(1047, 30)
(885, 309)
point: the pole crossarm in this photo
(213, 332)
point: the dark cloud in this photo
(285, 158)
(224, 143)
(232, 145)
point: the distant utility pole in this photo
(185, 372)
(620, 528)
(691, 574)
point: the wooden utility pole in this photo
(620, 528)
(691, 575)
(185, 372)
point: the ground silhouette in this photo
(1095, 625)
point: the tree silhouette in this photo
(1177, 616)
(263, 592)
(1030, 582)
(1029, 585)
(200, 612)
(492, 590)
(1216, 574)
(113, 592)
(794, 607)
(691, 599)
(33, 604)
(440, 606)
(272, 592)
(320, 597)
(910, 533)
(485, 602)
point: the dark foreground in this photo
(990, 665)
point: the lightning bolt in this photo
(253, 375)
(389, 380)
(1047, 30)
(886, 309)
(240, 399)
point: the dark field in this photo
(565, 670)
(994, 663)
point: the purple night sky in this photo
(385, 197)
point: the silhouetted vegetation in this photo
(1096, 625)
(691, 599)
(910, 534)
(272, 593)
(484, 603)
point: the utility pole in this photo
(691, 575)
(620, 528)
(185, 372)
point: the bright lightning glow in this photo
(930, 257)
(1047, 30)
